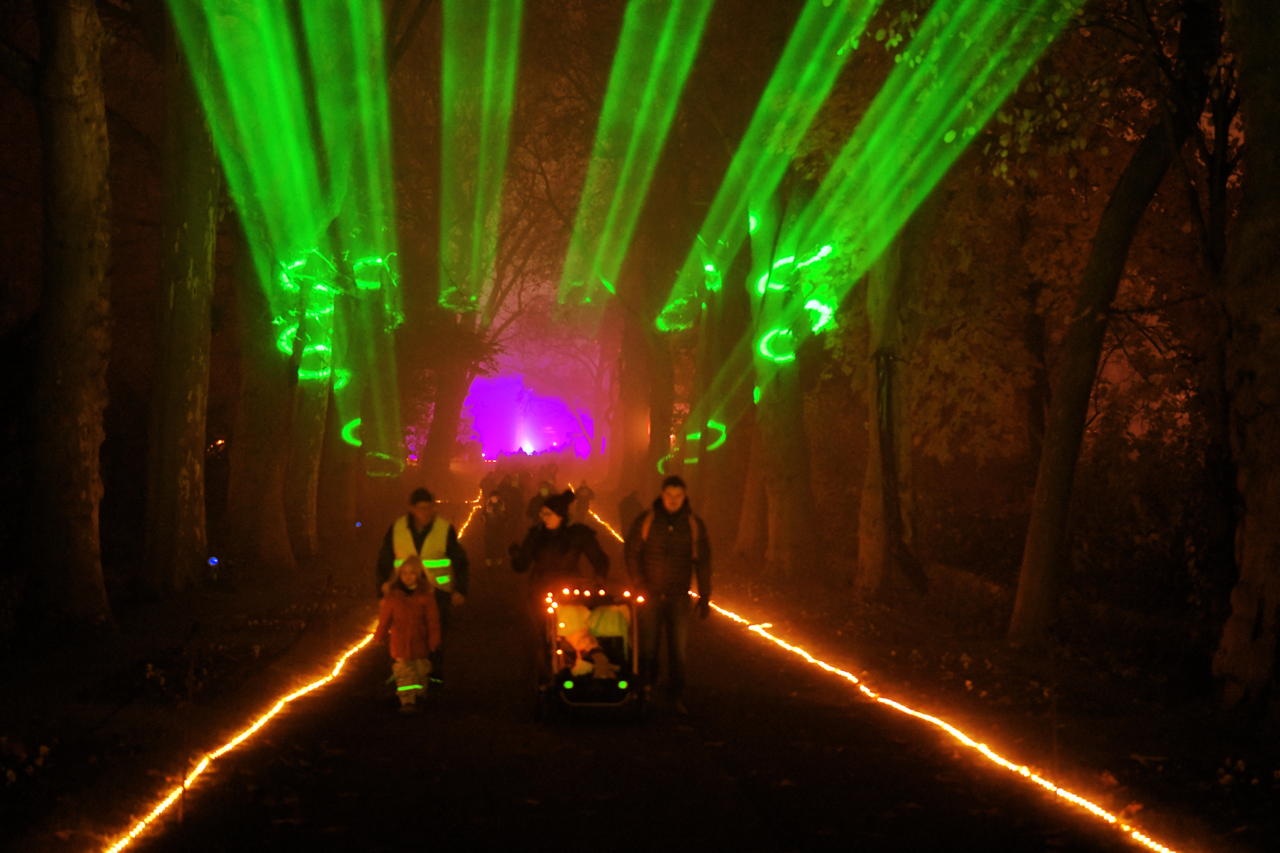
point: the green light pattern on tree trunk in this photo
(349, 432)
(296, 102)
(476, 104)
(655, 52)
(966, 59)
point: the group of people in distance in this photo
(423, 573)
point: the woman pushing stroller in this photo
(552, 553)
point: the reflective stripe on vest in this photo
(433, 550)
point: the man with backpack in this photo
(666, 548)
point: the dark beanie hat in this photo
(559, 504)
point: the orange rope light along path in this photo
(145, 823)
(475, 507)
(761, 629)
(243, 735)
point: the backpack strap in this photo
(693, 530)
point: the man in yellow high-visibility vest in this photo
(422, 532)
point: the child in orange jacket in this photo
(409, 617)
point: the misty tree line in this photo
(1073, 339)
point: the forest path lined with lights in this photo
(774, 757)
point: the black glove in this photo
(703, 608)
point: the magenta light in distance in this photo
(510, 417)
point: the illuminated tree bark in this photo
(661, 400)
(784, 463)
(260, 449)
(302, 477)
(883, 531)
(338, 484)
(1045, 555)
(452, 382)
(753, 520)
(629, 445)
(1246, 657)
(176, 540)
(73, 321)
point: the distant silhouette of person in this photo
(535, 502)
(629, 509)
(582, 497)
(496, 527)
(513, 498)
(665, 549)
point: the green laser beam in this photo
(476, 106)
(650, 67)
(968, 56)
(802, 78)
(296, 101)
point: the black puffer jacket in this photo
(666, 560)
(554, 556)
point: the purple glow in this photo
(507, 416)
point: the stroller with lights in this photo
(591, 640)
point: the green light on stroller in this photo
(568, 685)
(622, 685)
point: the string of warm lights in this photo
(607, 526)
(475, 507)
(144, 823)
(761, 629)
(166, 802)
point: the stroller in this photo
(592, 645)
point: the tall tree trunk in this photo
(302, 476)
(662, 395)
(720, 478)
(629, 440)
(883, 547)
(260, 443)
(1246, 659)
(74, 314)
(176, 538)
(442, 441)
(792, 539)
(1044, 556)
(754, 519)
(338, 484)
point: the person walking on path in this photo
(666, 548)
(629, 507)
(409, 617)
(582, 497)
(422, 533)
(551, 555)
(496, 526)
(531, 511)
(553, 549)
